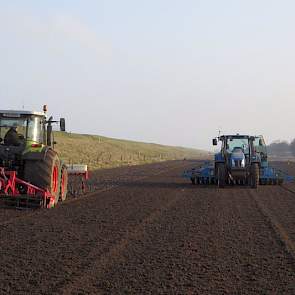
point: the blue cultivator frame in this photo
(270, 175)
(202, 175)
(206, 175)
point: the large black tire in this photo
(254, 175)
(221, 175)
(45, 173)
(63, 184)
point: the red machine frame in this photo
(10, 192)
(9, 183)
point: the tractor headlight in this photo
(243, 163)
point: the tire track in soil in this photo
(108, 259)
(279, 230)
(265, 208)
(292, 191)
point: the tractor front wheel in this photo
(221, 175)
(254, 175)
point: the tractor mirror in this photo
(62, 123)
(260, 142)
(214, 141)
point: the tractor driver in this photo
(12, 137)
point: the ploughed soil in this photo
(144, 229)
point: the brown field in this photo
(145, 230)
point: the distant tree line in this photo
(281, 148)
(292, 147)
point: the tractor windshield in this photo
(27, 128)
(35, 130)
(238, 144)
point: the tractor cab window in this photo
(27, 128)
(234, 144)
(18, 124)
(259, 141)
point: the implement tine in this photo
(21, 202)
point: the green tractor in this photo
(31, 172)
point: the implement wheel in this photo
(254, 176)
(221, 175)
(45, 173)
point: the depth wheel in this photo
(63, 184)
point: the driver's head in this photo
(15, 128)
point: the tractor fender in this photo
(219, 158)
(37, 156)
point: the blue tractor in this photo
(242, 160)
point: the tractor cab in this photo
(236, 150)
(24, 128)
(27, 129)
(23, 133)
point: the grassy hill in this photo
(102, 152)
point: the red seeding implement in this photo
(31, 172)
(78, 176)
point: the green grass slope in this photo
(102, 152)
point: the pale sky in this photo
(164, 71)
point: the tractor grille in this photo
(238, 163)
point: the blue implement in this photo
(242, 159)
(206, 175)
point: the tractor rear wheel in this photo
(254, 176)
(45, 173)
(221, 175)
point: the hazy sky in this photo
(172, 72)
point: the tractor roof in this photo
(14, 113)
(235, 136)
